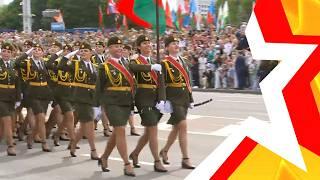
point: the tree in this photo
(234, 9)
(78, 13)
(37, 6)
(247, 9)
(239, 10)
(9, 17)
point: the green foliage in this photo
(37, 6)
(80, 13)
(239, 10)
(76, 13)
(9, 17)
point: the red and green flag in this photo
(143, 12)
(169, 19)
(100, 16)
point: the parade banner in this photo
(286, 147)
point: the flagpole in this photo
(158, 31)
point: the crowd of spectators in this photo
(219, 60)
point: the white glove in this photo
(156, 67)
(160, 106)
(191, 106)
(168, 107)
(29, 51)
(68, 56)
(96, 113)
(18, 103)
(59, 52)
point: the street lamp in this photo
(27, 16)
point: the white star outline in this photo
(277, 135)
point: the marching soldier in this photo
(99, 58)
(38, 92)
(150, 90)
(55, 115)
(126, 53)
(84, 76)
(116, 89)
(178, 92)
(63, 92)
(75, 57)
(9, 95)
(29, 119)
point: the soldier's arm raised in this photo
(19, 62)
(134, 67)
(66, 64)
(51, 63)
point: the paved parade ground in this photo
(208, 126)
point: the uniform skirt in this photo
(6, 108)
(117, 115)
(38, 106)
(179, 113)
(150, 116)
(84, 112)
(65, 106)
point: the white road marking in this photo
(247, 102)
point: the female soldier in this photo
(150, 91)
(37, 90)
(115, 89)
(84, 83)
(178, 92)
(9, 95)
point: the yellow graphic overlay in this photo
(315, 86)
(303, 16)
(262, 164)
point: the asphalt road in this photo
(208, 126)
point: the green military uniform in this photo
(84, 84)
(51, 66)
(36, 77)
(148, 92)
(177, 91)
(114, 90)
(52, 74)
(22, 77)
(95, 59)
(64, 89)
(9, 85)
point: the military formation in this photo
(83, 84)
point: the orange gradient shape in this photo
(303, 16)
(263, 164)
(315, 87)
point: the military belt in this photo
(122, 88)
(38, 83)
(88, 86)
(177, 85)
(65, 83)
(7, 86)
(147, 86)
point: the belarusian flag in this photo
(143, 12)
(169, 17)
